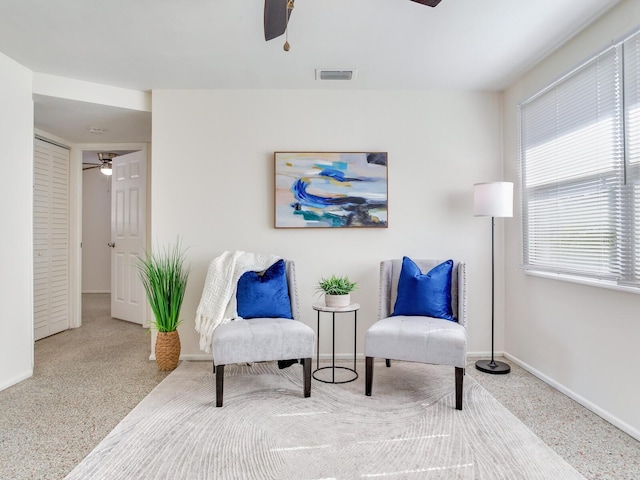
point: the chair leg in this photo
(219, 384)
(368, 366)
(459, 379)
(306, 366)
(388, 362)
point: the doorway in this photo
(109, 243)
(96, 225)
(64, 121)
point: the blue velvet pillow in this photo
(427, 294)
(264, 295)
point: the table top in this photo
(323, 308)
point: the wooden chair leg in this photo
(388, 362)
(219, 384)
(368, 367)
(459, 379)
(306, 366)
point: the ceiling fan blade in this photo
(275, 18)
(92, 165)
(429, 3)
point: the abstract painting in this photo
(330, 189)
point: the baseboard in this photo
(360, 356)
(612, 419)
(197, 357)
(206, 357)
(95, 291)
(16, 379)
(484, 354)
(191, 357)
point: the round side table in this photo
(321, 307)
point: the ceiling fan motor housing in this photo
(278, 12)
(106, 156)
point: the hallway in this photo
(85, 381)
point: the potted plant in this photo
(164, 277)
(337, 290)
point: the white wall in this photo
(70, 88)
(96, 232)
(582, 339)
(16, 254)
(213, 180)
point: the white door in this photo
(50, 239)
(128, 236)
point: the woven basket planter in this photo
(167, 350)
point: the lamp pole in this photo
(493, 199)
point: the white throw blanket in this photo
(218, 302)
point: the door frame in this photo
(75, 196)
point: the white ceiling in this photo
(72, 121)
(211, 44)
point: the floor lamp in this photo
(493, 199)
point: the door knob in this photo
(110, 244)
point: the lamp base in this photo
(491, 366)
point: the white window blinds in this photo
(630, 241)
(580, 170)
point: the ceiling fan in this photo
(278, 12)
(105, 159)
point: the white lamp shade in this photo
(493, 199)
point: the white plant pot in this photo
(337, 300)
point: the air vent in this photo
(335, 74)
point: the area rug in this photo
(408, 429)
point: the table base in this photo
(334, 374)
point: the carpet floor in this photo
(408, 429)
(88, 379)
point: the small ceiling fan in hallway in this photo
(278, 12)
(105, 159)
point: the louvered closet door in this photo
(50, 239)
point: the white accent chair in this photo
(265, 339)
(414, 338)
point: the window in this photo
(580, 170)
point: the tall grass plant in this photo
(164, 276)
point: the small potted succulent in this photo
(337, 290)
